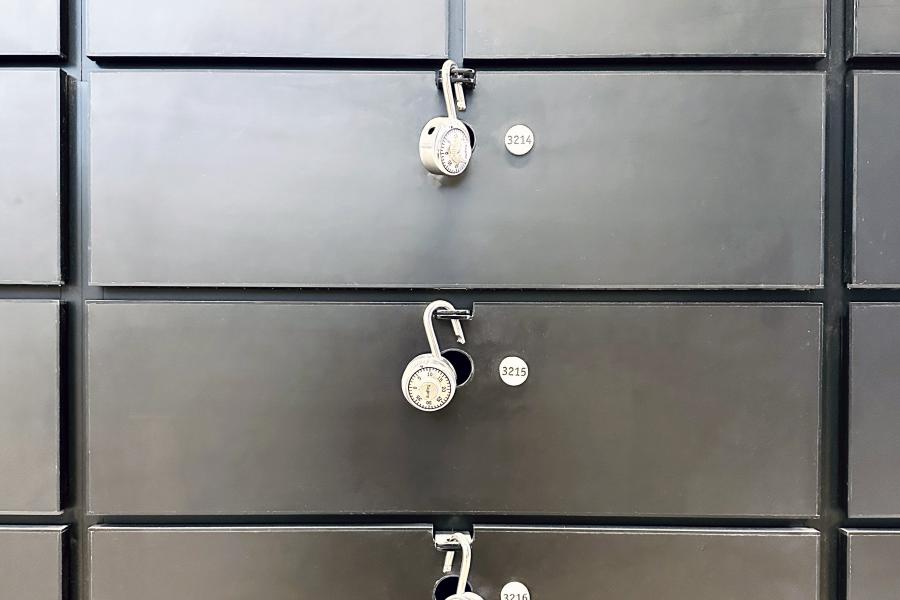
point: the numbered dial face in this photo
(429, 388)
(454, 150)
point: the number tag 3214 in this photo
(519, 140)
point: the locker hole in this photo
(471, 134)
(462, 362)
(446, 587)
(431, 131)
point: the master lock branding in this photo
(446, 143)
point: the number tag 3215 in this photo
(513, 371)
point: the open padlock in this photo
(462, 542)
(429, 381)
(446, 143)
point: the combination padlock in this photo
(429, 381)
(446, 143)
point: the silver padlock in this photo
(429, 381)
(446, 143)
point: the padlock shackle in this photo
(446, 83)
(465, 563)
(428, 321)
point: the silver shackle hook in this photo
(454, 95)
(428, 321)
(465, 563)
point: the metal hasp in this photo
(455, 314)
(461, 78)
(446, 542)
(458, 75)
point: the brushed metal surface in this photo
(30, 104)
(872, 572)
(281, 563)
(640, 180)
(29, 27)
(537, 29)
(29, 407)
(874, 410)
(876, 143)
(254, 408)
(876, 28)
(31, 563)
(268, 28)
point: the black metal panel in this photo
(876, 135)
(535, 28)
(876, 27)
(31, 563)
(872, 572)
(874, 410)
(30, 102)
(282, 563)
(29, 28)
(648, 564)
(643, 180)
(29, 407)
(271, 28)
(833, 416)
(218, 408)
(277, 563)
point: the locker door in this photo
(682, 410)
(281, 563)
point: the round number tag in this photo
(519, 140)
(513, 371)
(514, 591)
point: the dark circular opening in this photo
(471, 134)
(431, 131)
(463, 364)
(446, 587)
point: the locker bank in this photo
(449, 299)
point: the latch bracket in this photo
(446, 541)
(458, 75)
(459, 314)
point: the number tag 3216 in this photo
(514, 591)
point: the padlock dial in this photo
(454, 150)
(429, 389)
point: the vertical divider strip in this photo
(833, 472)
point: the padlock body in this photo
(445, 146)
(429, 382)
